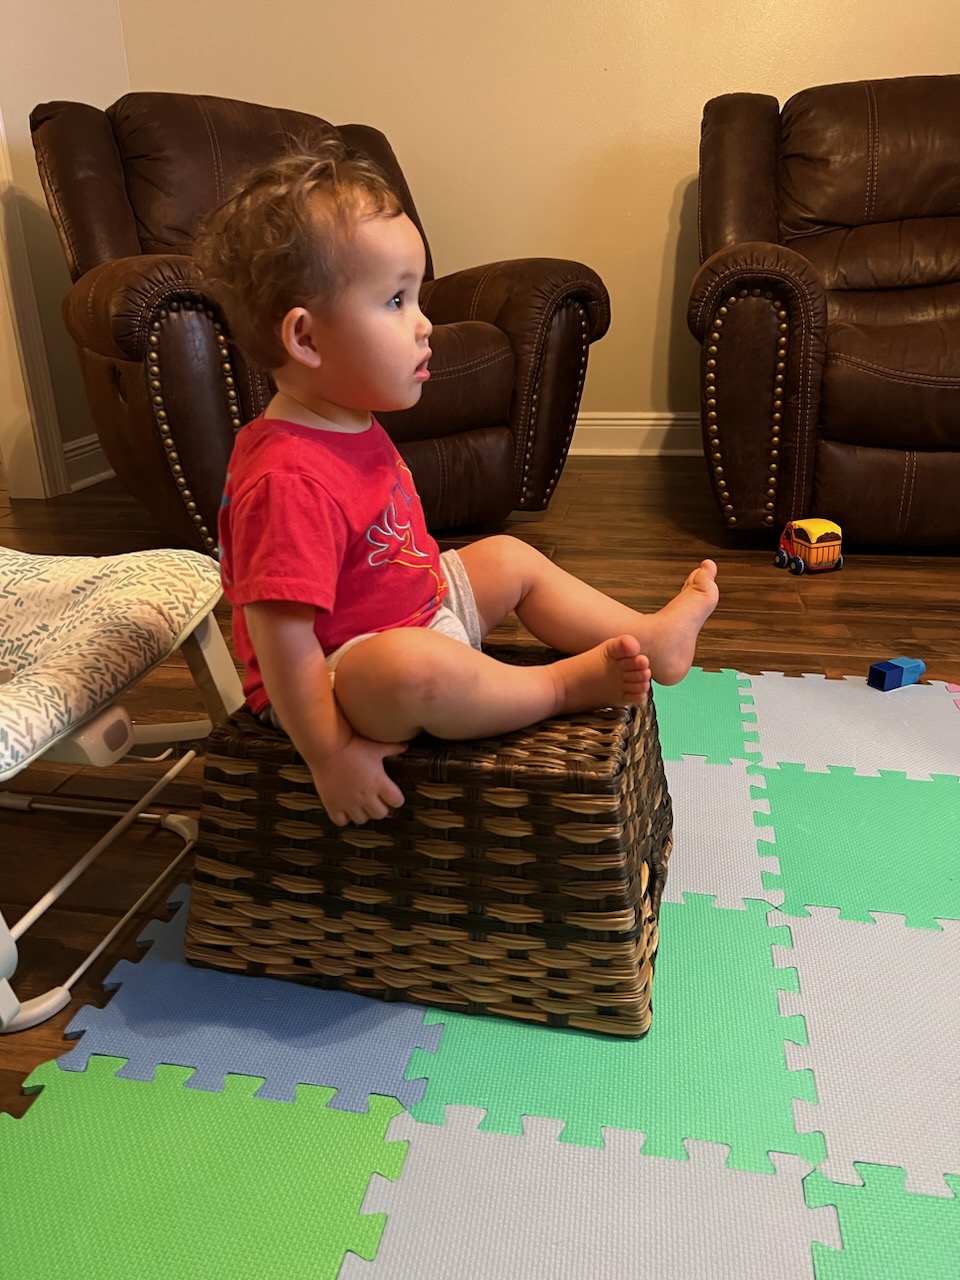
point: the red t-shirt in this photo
(325, 518)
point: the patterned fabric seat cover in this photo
(76, 631)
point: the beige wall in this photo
(545, 127)
(48, 49)
(564, 127)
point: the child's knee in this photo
(510, 549)
(511, 560)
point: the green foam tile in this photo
(704, 716)
(886, 1230)
(712, 1067)
(107, 1177)
(863, 844)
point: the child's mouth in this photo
(422, 373)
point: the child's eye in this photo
(396, 301)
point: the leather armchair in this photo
(828, 308)
(127, 188)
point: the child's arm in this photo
(347, 769)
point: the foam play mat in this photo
(793, 1113)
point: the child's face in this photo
(373, 341)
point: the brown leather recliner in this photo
(127, 188)
(828, 308)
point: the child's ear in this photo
(297, 336)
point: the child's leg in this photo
(560, 610)
(398, 683)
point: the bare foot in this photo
(671, 633)
(613, 674)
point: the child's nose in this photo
(424, 327)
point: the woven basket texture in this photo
(522, 876)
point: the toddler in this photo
(356, 634)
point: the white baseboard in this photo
(86, 462)
(628, 434)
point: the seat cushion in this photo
(76, 631)
(893, 386)
(471, 384)
(913, 253)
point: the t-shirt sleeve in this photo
(288, 541)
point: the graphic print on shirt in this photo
(393, 540)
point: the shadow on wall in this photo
(674, 348)
(50, 281)
(19, 456)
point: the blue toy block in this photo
(913, 669)
(895, 673)
(885, 676)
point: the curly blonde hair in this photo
(280, 240)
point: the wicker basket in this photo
(522, 876)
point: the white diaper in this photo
(457, 618)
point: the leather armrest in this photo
(518, 296)
(164, 384)
(739, 150)
(111, 307)
(82, 177)
(550, 310)
(757, 265)
(759, 312)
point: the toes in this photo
(636, 675)
(636, 665)
(623, 648)
(706, 573)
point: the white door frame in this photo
(31, 446)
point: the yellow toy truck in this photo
(807, 546)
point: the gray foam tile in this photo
(818, 722)
(715, 834)
(487, 1206)
(882, 1013)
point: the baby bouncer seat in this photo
(77, 632)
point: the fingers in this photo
(376, 809)
(369, 793)
(343, 818)
(390, 797)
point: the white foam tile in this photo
(816, 722)
(485, 1206)
(881, 1004)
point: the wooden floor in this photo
(631, 526)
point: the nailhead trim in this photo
(534, 406)
(159, 411)
(711, 402)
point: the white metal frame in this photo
(111, 738)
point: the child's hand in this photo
(347, 769)
(352, 783)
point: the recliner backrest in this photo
(868, 181)
(138, 177)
